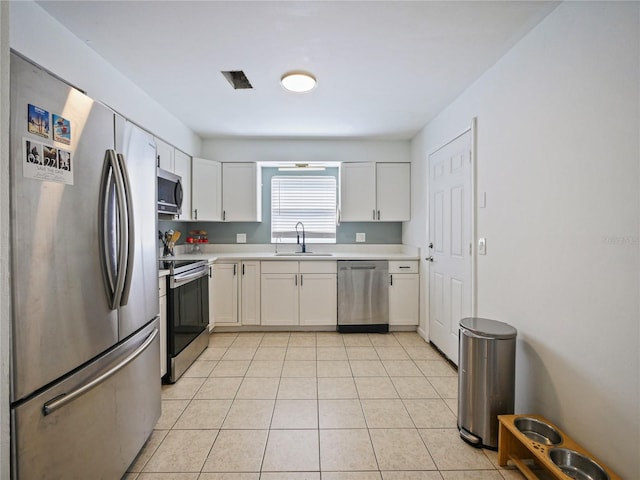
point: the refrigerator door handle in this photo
(66, 398)
(122, 228)
(108, 229)
(130, 230)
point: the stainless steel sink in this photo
(538, 431)
(576, 465)
(303, 254)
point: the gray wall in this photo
(260, 232)
(558, 158)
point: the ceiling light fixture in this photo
(298, 81)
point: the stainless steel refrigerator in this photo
(85, 391)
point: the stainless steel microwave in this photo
(169, 193)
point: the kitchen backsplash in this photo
(260, 232)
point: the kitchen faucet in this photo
(304, 245)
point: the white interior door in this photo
(450, 241)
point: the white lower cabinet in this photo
(225, 294)
(304, 293)
(299, 293)
(162, 290)
(234, 295)
(212, 317)
(279, 304)
(250, 293)
(404, 293)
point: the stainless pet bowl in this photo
(538, 431)
(576, 465)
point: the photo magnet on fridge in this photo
(61, 130)
(46, 163)
(38, 121)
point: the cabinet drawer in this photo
(162, 286)
(410, 266)
(318, 267)
(279, 266)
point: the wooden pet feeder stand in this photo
(541, 441)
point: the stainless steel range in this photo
(187, 315)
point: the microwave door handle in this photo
(107, 228)
(129, 231)
(179, 196)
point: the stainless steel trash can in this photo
(486, 378)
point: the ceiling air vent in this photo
(237, 79)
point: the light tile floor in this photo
(314, 406)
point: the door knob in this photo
(429, 258)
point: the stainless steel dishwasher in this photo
(363, 296)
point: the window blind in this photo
(307, 199)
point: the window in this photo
(307, 199)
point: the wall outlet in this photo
(241, 238)
(361, 237)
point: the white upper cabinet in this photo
(182, 167)
(393, 192)
(206, 190)
(241, 192)
(357, 192)
(375, 192)
(164, 155)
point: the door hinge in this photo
(470, 248)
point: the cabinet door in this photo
(358, 192)
(182, 167)
(318, 299)
(212, 303)
(279, 298)
(250, 293)
(164, 155)
(404, 291)
(241, 192)
(206, 190)
(225, 293)
(393, 192)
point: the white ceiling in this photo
(384, 68)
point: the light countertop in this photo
(215, 253)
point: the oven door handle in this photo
(178, 282)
